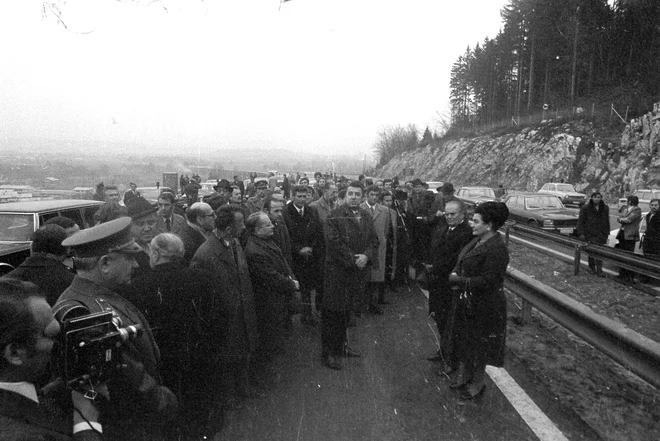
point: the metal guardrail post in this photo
(577, 261)
(632, 350)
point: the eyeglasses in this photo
(208, 215)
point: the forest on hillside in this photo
(558, 54)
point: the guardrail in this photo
(632, 350)
(624, 259)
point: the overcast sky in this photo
(313, 75)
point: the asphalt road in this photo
(391, 393)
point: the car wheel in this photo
(533, 223)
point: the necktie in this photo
(168, 224)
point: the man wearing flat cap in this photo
(256, 203)
(105, 258)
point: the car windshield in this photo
(482, 192)
(16, 227)
(537, 203)
(566, 187)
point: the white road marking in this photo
(537, 421)
(528, 410)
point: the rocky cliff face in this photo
(575, 151)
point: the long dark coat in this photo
(305, 231)
(272, 280)
(480, 331)
(348, 234)
(192, 240)
(51, 276)
(445, 248)
(594, 224)
(233, 305)
(651, 244)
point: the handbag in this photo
(465, 296)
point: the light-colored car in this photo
(434, 185)
(473, 196)
(565, 192)
(542, 210)
(644, 195)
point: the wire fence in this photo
(597, 114)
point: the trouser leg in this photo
(333, 332)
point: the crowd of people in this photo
(218, 288)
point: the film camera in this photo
(89, 346)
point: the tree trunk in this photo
(574, 67)
(530, 88)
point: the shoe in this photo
(332, 362)
(373, 309)
(466, 395)
(457, 385)
(435, 357)
(348, 352)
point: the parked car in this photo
(473, 196)
(644, 195)
(565, 192)
(18, 220)
(542, 210)
(434, 185)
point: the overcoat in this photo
(192, 239)
(445, 248)
(594, 224)
(651, 244)
(178, 223)
(233, 305)
(348, 234)
(305, 231)
(481, 328)
(630, 221)
(382, 225)
(51, 276)
(272, 280)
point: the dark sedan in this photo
(543, 211)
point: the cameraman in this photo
(27, 330)
(139, 405)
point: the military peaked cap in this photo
(110, 237)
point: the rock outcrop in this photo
(574, 151)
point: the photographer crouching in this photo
(27, 333)
(138, 406)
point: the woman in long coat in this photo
(479, 333)
(594, 227)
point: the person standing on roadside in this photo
(594, 227)
(628, 235)
(651, 243)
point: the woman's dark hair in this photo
(494, 213)
(633, 200)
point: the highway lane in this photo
(393, 393)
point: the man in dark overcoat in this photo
(351, 252)
(651, 243)
(273, 283)
(448, 241)
(594, 227)
(233, 305)
(307, 247)
(44, 266)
